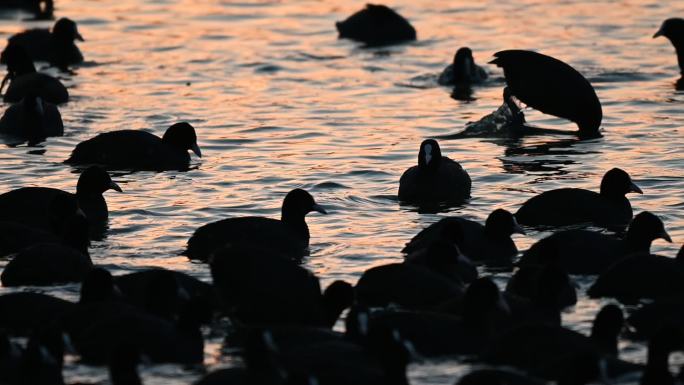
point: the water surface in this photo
(279, 102)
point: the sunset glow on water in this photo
(279, 102)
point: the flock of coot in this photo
(434, 304)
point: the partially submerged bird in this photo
(552, 87)
(376, 25)
(462, 71)
(139, 150)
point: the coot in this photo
(546, 351)
(673, 29)
(405, 284)
(139, 150)
(641, 275)
(589, 252)
(463, 71)
(25, 81)
(288, 236)
(46, 264)
(56, 47)
(569, 206)
(257, 287)
(32, 120)
(376, 25)
(437, 334)
(31, 205)
(436, 179)
(162, 292)
(162, 340)
(446, 259)
(552, 87)
(489, 243)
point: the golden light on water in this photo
(279, 102)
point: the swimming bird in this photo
(139, 150)
(552, 87)
(463, 71)
(546, 350)
(32, 120)
(46, 264)
(539, 294)
(408, 285)
(376, 25)
(162, 292)
(256, 287)
(569, 206)
(641, 275)
(488, 243)
(25, 81)
(438, 334)
(55, 47)
(32, 205)
(436, 179)
(445, 258)
(288, 236)
(673, 30)
(589, 252)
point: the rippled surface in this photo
(279, 102)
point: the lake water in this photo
(279, 102)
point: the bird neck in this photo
(680, 56)
(295, 221)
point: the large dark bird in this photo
(139, 150)
(552, 87)
(288, 236)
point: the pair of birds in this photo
(438, 179)
(35, 116)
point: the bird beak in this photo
(195, 148)
(495, 62)
(318, 208)
(115, 186)
(664, 235)
(517, 229)
(659, 33)
(634, 188)
(79, 37)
